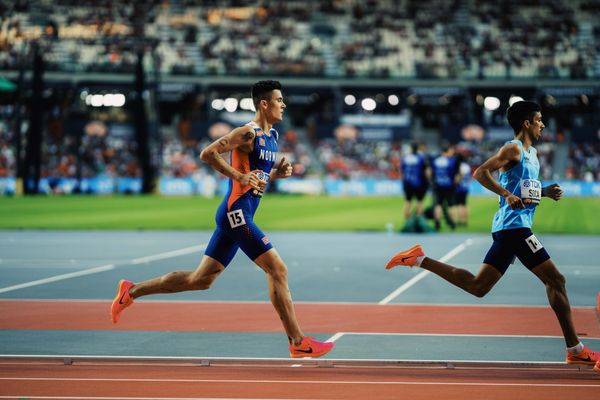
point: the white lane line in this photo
(421, 334)
(335, 337)
(411, 282)
(404, 287)
(108, 267)
(170, 254)
(295, 382)
(56, 278)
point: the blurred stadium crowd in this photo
(330, 157)
(335, 38)
(473, 40)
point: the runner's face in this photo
(276, 106)
(536, 127)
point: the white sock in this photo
(578, 348)
(419, 261)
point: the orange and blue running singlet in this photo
(235, 215)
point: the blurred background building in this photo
(107, 96)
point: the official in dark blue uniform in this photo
(461, 192)
(415, 183)
(444, 171)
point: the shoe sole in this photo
(388, 266)
(312, 355)
(113, 313)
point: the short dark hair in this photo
(414, 147)
(521, 111)
(261, 90)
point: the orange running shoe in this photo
(407, 258)
(310, 348)
(122, 300)
(597, 367)
(587, 357)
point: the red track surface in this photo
(128, 381)
(323, 318)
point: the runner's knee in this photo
(278, 272)
(201, 282)
(480, 289)
(556, 281)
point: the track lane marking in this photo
(295, 382)
(108, 267)
(411, 282)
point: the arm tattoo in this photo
(248, 136)
(218, 157)
(223, 142)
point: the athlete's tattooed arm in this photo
(223, 143)
(239, 139)
(249, 136)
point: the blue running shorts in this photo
(511, 243)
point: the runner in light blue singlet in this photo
(525, 172)
(520, 192)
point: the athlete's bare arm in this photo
(242, 139)
(428, 172)
(553, 191)
(458, 176)
(504, 159)
(283, 170)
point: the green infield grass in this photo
(277, 212)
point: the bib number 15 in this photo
(236, 218)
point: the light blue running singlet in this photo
(522, 181)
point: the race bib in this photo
(534, 244)
(531, 189)
(236, 218)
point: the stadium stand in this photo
(446, 41)
(433, 39)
